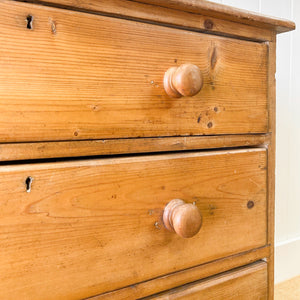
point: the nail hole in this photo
(250, 204)
(28, 183)
(208, 24)
(29, 20)
(210, 125)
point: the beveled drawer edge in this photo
(176, 279)
(215, 281)
(227, 12)
(163, 16)
(222, 11)
(62, 149)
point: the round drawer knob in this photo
(186, 80)
(183, 218)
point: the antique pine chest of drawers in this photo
(137, 150)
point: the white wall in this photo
(287, 212)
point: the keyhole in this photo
(29, 20)
(28, 183)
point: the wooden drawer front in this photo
(81, 76)
(86, 227)
(247, 283)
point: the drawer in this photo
(246, 283)
(71, 75)
(79, 228)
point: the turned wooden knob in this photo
(186, 80)
(183, 218)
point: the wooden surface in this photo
(179, 278)
(92, 226)
(80, 228)
(182, 218)
(226, 12)
(199, 8)
(42, 150)
(116, 88)
(288, 290)
(246, 283)
(160, 15)
(185, 80)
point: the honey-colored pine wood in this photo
(90, 82)
(185, 80)
(81, 76)
(182, 218)
(179, 278)
(42, 150)
(248, 282)
(76, 229)
(226, 12)
(204, 16)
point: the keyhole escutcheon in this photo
(28, 183)
(29, 20)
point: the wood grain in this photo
(226, 12)
(182, 218)
(91, 77)
(248, 282)
(42, 150)
(226, 20)
(91, 226)
(179, 278)
(186, 80)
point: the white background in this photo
(287, 212)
